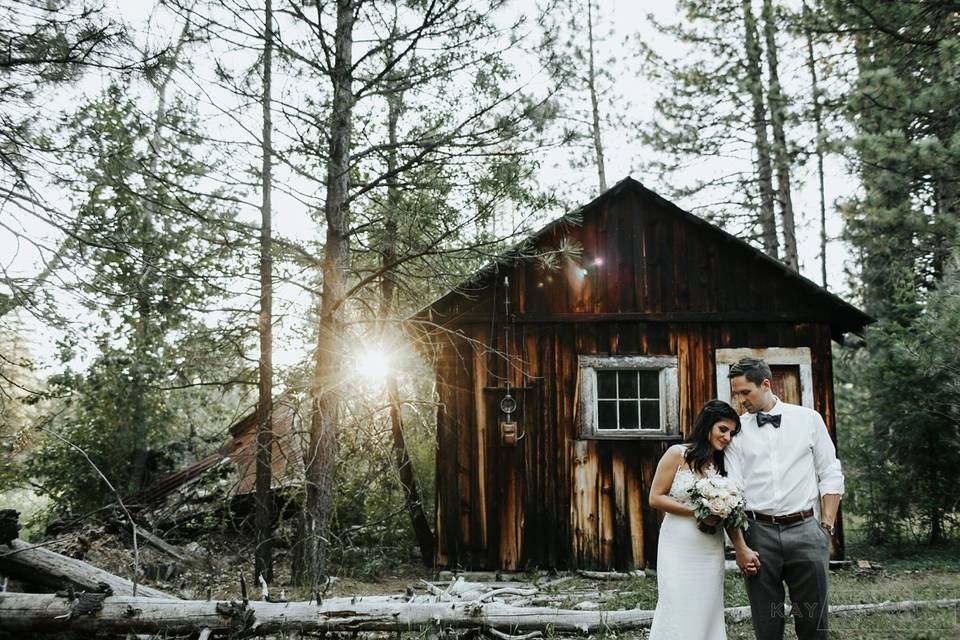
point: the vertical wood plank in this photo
(635, 515)
(622, 547)
(606, 530)
(583, 505)
(480, 358)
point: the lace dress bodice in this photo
(684, 480)
(682, 483)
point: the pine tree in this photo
(777, 108)
(901, 108)
(264, 469)
(151, 267)
(712, 113)
(469, 141)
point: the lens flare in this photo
(373, 364)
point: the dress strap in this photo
(683, 459)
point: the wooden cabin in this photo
(563, 380)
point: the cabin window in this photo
(629, 396)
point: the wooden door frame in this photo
(798, 356)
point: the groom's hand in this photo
(748, 561)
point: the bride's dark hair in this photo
(700, 452)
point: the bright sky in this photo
(627, 18)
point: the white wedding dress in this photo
(689, 575)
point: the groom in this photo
(788, 467)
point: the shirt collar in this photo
(776, 409)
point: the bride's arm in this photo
(663, 480)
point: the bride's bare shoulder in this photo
(675, 453)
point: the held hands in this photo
(748, 561)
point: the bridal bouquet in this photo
(718, 496)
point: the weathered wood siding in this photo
(647, 283)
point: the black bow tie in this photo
(766, 418)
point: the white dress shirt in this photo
(784, 470)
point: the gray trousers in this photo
(798, 554)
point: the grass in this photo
(940, 624)
(907, 572)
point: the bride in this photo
(689, 561)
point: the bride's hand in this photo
(748, 561)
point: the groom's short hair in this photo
(753, 369)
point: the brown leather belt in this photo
(790, 518)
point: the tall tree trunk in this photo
(263, 555)
(767, 217)
(138, 414)
(781, 159)
(408, 479)
(325, 400)
(818, 148)
(595, 104)
(141, 426)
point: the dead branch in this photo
(38, 566)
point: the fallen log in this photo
(35, 565)
(123, 614)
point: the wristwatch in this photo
(829, 528)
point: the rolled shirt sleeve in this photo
(829, 472)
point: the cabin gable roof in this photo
(666, 263)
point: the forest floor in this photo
(895, 574)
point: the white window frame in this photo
(772, 356)
(669, 396)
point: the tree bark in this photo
(767, 217)
(263, 554)
(818, 148)
(594, 103)
(781, 159)
(29, 612)
(44, 568)
(321, 455)
(408, 479)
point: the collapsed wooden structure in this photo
(565, 370)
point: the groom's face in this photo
(752, 397)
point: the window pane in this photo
(629, 415)
(606, 384)
(650, 414)
(606, 414)
(649, 384)
(627, 382)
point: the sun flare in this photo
(373, 364)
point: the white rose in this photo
(716, 507)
